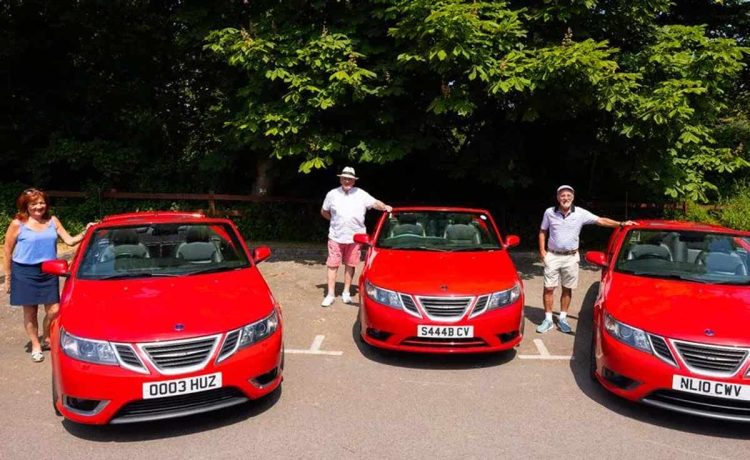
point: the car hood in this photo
(148, 309)
(681, 309)
(430, 272)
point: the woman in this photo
(30, 240)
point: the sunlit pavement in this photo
(343, 399)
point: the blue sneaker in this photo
(564, 326)
(546, 326)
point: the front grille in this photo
(445, 308)
(700, 405)
(409, 304)
(710, 358)
(430, 342)
(662, 349)
(128, 356)
(181, 355)
(229, 344)
(481, 304)
(177, 406)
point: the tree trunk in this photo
(263, 180)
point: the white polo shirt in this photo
(347, 213)
(564, 230)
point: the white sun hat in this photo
(348, 172)
(565, 187)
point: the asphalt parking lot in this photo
(341, 399)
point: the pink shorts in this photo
(349, 254)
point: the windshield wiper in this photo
(211, 270)
(419, 248)
(133, 275)
(666, 276)
(472, 249)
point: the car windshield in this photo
(438, 231)
(705, 257)
(161, 250)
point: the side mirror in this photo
(362, 238)
(512, 241)
(597, 258)
(261, 253)
(57, 267)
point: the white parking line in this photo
(314, 349)
(544, 353)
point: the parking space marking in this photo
(314, 348)
(544, 354)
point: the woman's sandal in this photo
(45, 346)
(37, 356)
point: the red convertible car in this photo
(162, 315)
(672, 319)
(440, 280)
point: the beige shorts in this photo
(557, 267)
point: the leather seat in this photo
(197, 248)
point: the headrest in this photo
(407, 218)
(462, 218)
(124, 236)
(196, 233)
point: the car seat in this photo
(124, 244)
(197, 248)
(649, 251)
(407, 225)
(462, 234)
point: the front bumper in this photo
(392, 329)
(250, 373)
(642, 377)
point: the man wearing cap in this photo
(345, 207)
(560, 254)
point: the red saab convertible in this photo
(162, 315)
(440, 280)
(671, 323)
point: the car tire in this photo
(54, 398)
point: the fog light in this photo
(84, 406)
(619, 380)
(264, 379)
(378, 334)
(507, 336)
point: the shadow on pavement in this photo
(624, 407)
(457, 361)
(182, 426)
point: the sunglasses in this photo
(30, 191)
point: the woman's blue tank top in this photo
(36, 247)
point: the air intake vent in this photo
(128, 356)
(711, 359)
(662, 349)
(230, 343)
(409, 304)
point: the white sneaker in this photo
(328, 301)
(346, 298)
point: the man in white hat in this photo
(345, 207)
(560, 253)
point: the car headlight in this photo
(383, 296)
(628, 335)
(93, 351)
(259, 330)
(504, 298)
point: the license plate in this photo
(445, 332)
(711, 388)
(181, 386)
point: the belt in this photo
(563, 253)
